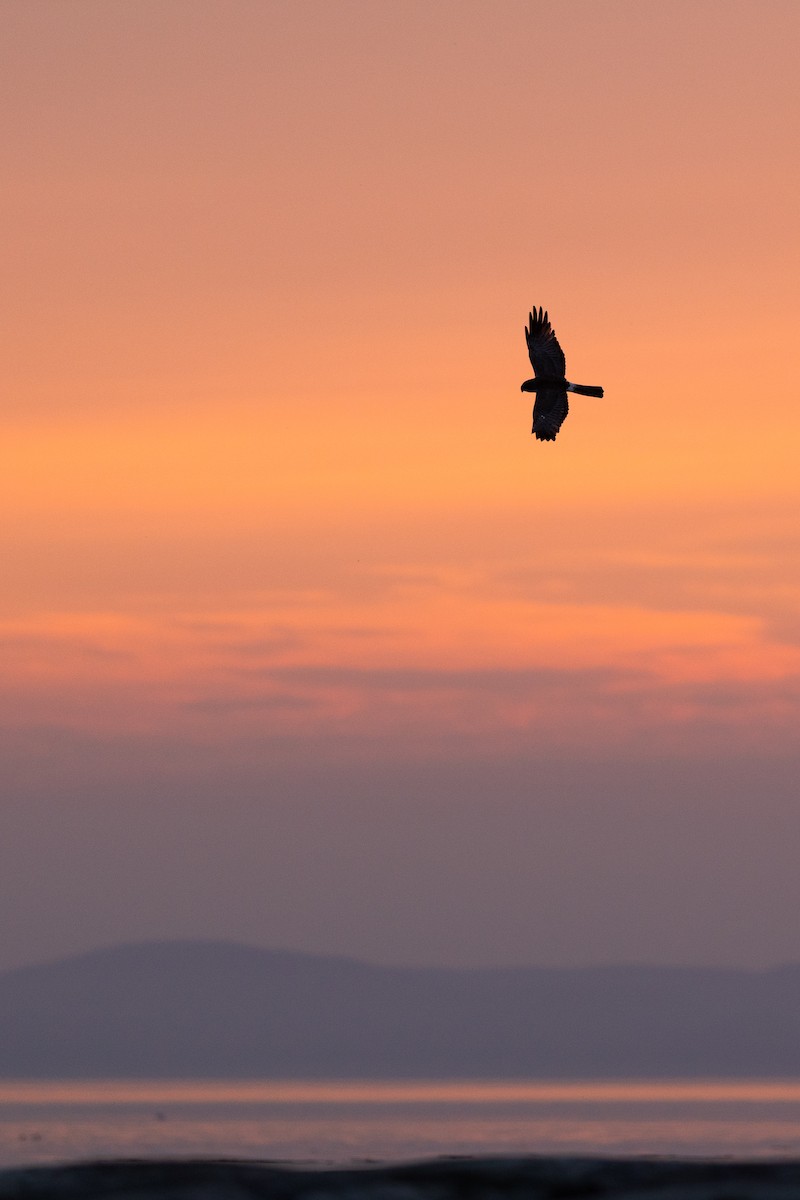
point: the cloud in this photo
(420, 659)
(264, 702)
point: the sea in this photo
(329, 1123)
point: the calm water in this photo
(342, 1122)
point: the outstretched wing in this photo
(547, 357)
(549, 413)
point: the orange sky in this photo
(267, 475)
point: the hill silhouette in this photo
(206, 1009)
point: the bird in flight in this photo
(550, 385)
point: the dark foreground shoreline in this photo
(566, 1178)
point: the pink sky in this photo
(290, 593)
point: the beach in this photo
(563, 1178)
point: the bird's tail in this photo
(586, 389)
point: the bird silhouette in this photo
(551, 384)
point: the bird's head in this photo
(528, 386)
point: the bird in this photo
(550, 385)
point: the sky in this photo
(306, 642)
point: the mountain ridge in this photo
(213, 1008)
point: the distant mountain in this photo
(214, 1009)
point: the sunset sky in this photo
(306, 642)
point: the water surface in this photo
(337, 1122)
